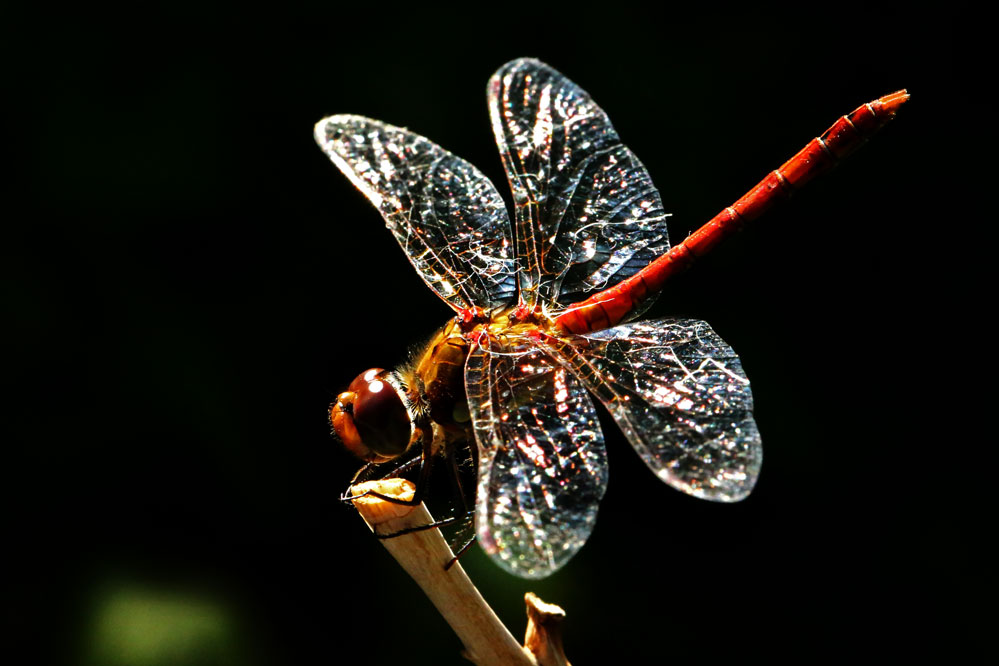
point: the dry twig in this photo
(424, 554)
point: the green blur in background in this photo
(137, 626)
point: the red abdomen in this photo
(609, 307)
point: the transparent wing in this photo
(679, 393)
(446, 215)
(587, 214)
(542, 462)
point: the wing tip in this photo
(727, 491)
(321, 131)
(515, 64)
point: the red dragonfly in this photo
(543, 315)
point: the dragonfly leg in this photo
(461, 551)
(425, 466)
(419, 528)
(363, 474)
(383, 497)
(457, 487)
(435, 525)
(425, 461)
(402, 468)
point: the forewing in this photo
(542, 462)
(679, 393)
(587, 214)
(446, 215)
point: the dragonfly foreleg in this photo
(429, 526)
(461, 551)
(425, 460)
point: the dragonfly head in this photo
(370, 417)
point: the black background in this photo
(191, 281)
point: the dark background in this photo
(190, 281)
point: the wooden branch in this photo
(425, 553)
(544, 632)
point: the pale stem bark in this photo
(425, 553)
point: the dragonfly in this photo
(546, 315)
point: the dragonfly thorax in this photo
(437, 380)
(382, 413)
(439, 373)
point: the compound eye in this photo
(379, 414)
(365, 378)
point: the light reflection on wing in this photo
(679, 393)
(446, 215)
(587, 214)
(542, 462)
